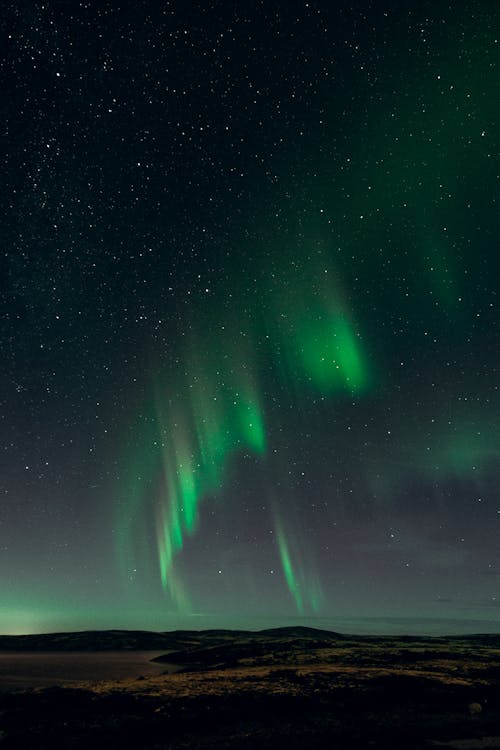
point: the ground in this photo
(287, 688)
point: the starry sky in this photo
(249, 315)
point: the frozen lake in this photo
(27, 669)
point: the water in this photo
(28, 669)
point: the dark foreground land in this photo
(288, 688)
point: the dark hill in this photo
(99, 640)
(300, 631)
(197, 645)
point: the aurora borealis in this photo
(250, 325)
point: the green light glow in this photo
(290, 575)
(211, 409)
(331, 355)
(315, 337)
(463, 445)
(464, 451)
(214, 413)
(304, 588)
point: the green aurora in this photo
(301, 579)
(215, 411)
(257, 331)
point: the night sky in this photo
(250, 315)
